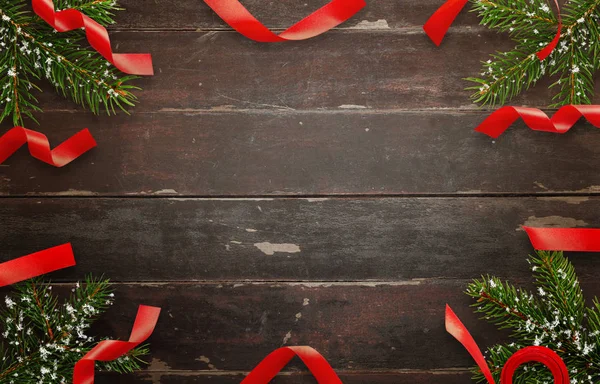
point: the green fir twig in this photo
(532, 24)
(554, 316)
(31, 51)
(41, 339)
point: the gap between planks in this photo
(412, 30)
(291, 283)
(274, 110)
(308, 197)
(441, 371)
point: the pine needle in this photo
(41, 339)
(32, 52)
(532, 24)
(554, 316)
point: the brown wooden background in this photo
(329, 192)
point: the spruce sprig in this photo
(31, 51)
(42, 339)
(532, 24)
(554, 316)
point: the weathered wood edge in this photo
(305, 154)
(390, 239)
(191, 14)
(287, 377)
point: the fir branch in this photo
(102, 11)
(30, 51)
(532, 25)
(42, 340)
(555, 317)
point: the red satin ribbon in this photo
(60, 257)
(36, 264)
(39, 147)
(547, 50)
(437, 25)
(457, 329)
(329, 16)
(97, 36)
(266, 370)
(496, 123)
(108, 350)
(542, 355)
(565, 239)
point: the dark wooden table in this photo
(330, 192)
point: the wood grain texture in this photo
(291, 239)
(292, 153)
(357, 327)
(199, 377)
(370, 109)
(340, 70)
(191, 14)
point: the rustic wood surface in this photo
(329, 192)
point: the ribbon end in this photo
(493, 134)
(89, 139)
(434, 37)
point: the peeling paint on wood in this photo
(366, 24)
(352, 106)
(552, 221)
(165, 192)
(271, 248)
(566, 199)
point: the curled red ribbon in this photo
(266, 370)
(39, 147)
(108, 350)
(437, 25)
(97, 36)
(36, 264)
(499, 121)
(542, 355)
(329, 16)
(565, 239)
(60, 257)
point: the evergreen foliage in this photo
(532, 24)
(31, 51)
(41, 339)
(554, 316)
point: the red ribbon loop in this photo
(438, 24)
(108, 350)
(36, 264)
(39, 147)
(329, 16)
(499, 121)
(542, 355)
(565, 239)
(97, 36)
(266, 370)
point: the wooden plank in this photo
(149, 239)
(229, 327)
(190, 14)
(195, 377)
(232, 327)
(263, 153)
(341, 70)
